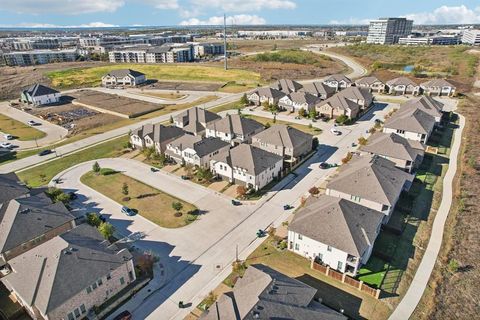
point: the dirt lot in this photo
(241, 45)
(175, 85)
(114, 103)
(13, 79)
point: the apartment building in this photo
(471, 37)
(152, 54)
(29, 58)
(388, 30)
(207, 49)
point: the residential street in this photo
(198, 257)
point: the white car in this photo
(6, 145)
(335, 131)
(8, 136)
(32, 123)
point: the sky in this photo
(110, 13)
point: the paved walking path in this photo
(411, 299)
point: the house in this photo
(372, 83)
(290, 143)
(11, 187)
(287, 86)
(29, 220)
(338, 81)
(410, 123)
(295, 101)
(264, 293)
(234, 129)
(371, 181)
(247, 165)
(361, 96)
(402, 86)
(154, 135)
(438, 87)
(69, 275)
(270, 95)
(195, 120)
(427, 104)
(195, 150)
(337, 106)
(123, 77)
(335, 232)
(318, 89)
(39, 95)
(406, 154)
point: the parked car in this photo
(324, 165)
(127, 211)
(124, 315)
(45, 152)
(6, 145)
(8, 136)
(236, 202)
(260, 233)
(335, 132)
(287, 207)
(32, 123)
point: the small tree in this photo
(93, 219)
(241, 191)
(149, 152)
(347, 158)
(302, 112)
(274, 119)
(106, 229)
(96, 167)
(177, 206)
(312, 114)
(362, 141)
(266, 105)
(171, 119)
(314, 191)
(341, 119)
(204, 174)
(267, 125)
(125, 188)
(244, 99)
(188, 170)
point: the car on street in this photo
(129, 212)
(8, 136)
(124, 315)
(335, 131)
(6, 145)
(32, 123)
(324, 165)
(44, 152)
(236, 202)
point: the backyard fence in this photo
(343, 278)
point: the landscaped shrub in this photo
(107, 171)
(342, 119)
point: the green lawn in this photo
(21, 131)
(42, 174)
(150, 203)
(78, 77)
(313, 131)
(373, 272)
(236, 87)
(228, 106)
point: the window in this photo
(329, 249)
(100, 282)
(130, 275)
(401, 131)
(297, 246)
(89, 289)
(340, 265)
(384, 207)
(83, 309)
(355, 198)
(300, 237)
(77, 313)
(122, 281)
(70, 316)
(94, 286)
(109, 276)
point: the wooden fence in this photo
(343, 278)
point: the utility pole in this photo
(225, 40)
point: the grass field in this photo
(164, 95)
(313, 131)
(228, 106)
(81, 77)
(291, 56)
(18, 129)
(42, 174)
(150, 203)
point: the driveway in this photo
(53, 132)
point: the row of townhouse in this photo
(123, 77)
(339, 228)
(406, 86)
(234, 148)
(42, 247)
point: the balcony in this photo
(352, 260)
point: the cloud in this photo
(243, 5)
(239, 19)
(349, 21)
(70, 7)
(48, 25)
(447, 15)
(163, 4)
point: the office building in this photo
(388, 30)
(471, 37)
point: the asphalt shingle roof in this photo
(284, 136)
(121, 73)
(426, 104)
(401, 81)
(235, 124)
(338, 77)
(38, 90)
(11, 187)
(270, 93)
(341, 102)
(318, 88)
(367, 81)
(287, 85)
(201, 146)
(436, 83)
(394, 146)
(158, 132)
(411, 120)
(195, 119)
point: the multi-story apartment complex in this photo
(471, 37)
(207, 49)
(149, 54)
(388, 30)
(27, 58)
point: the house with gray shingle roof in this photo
(290, 143)
(39, 95)
(261, 95)
(28, 220)
(335, 232)
(247, 165)
(406, 154)
(264, 293)
(234, 129)
(336, 106)
(371, 181)
(402, 86)
(11, 187)
(361, 96)
(338, 81)
(426, 104)
(195, 120)
(438, 87)
(195, 150)
(372, 83)
(287, 86)
(318, 89)
(295, 101)
(154, 135)
(65, 277)
(123, 77)
(410, 123)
